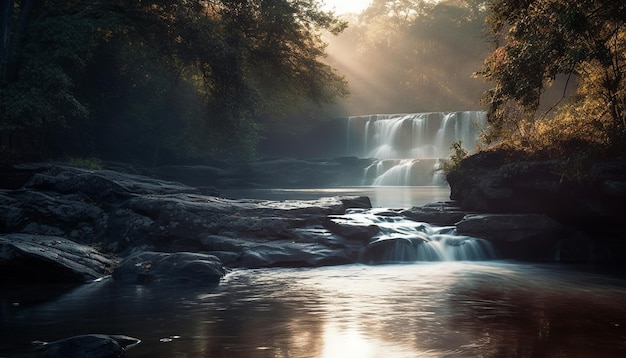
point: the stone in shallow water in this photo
(89, 346)
(180, 267)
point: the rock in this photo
(124, 212)
(293, 255)
(350, 230)
(28, 258)
(440, 213)
(589, 200)
(179, 267)
(12, 177)
(99, 185)
(520, 236)
(38, 213)
(493, 182)
(393, 249)
(89, 346)
(183, 222)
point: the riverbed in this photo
(435, 309)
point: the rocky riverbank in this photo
(65, 224)
(589, 202)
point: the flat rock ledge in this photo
(57, 221)
(50, 259)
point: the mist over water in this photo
(410, 149)
(380, 196)
(415, 135)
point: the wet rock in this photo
(522, 236)
(396, 249)
(590, 200)
(179, 267)
(293, 255)
(440, 213)
(122, 211)
(88, 346)
(28, 258)
(351, 231)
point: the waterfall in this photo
(409, 148)
(402, 240)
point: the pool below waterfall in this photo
(380, 196)
(435, 309)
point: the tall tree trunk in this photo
(26, 14)
(6, 13)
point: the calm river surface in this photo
(444, 309)
(397, 197)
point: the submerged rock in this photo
(88, 346)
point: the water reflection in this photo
(457, 309)
(397, 197)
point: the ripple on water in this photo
(442, 309)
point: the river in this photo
(423, 309)
(442, 309)
(381, 196)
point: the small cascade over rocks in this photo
(399, 239)
(409, 148)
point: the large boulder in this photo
(495, 182)
(179, 267)
(590, 199)
(28, 258)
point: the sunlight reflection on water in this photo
(443, 309)
(396, 197)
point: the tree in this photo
(198, 74)
(537, 40)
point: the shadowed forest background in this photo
(154, 82)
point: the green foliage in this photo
(537, 40)
(162, 80)
(458, 154)
(56, 49)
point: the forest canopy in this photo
(143, 80)
(168, 80)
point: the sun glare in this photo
(346, 6)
